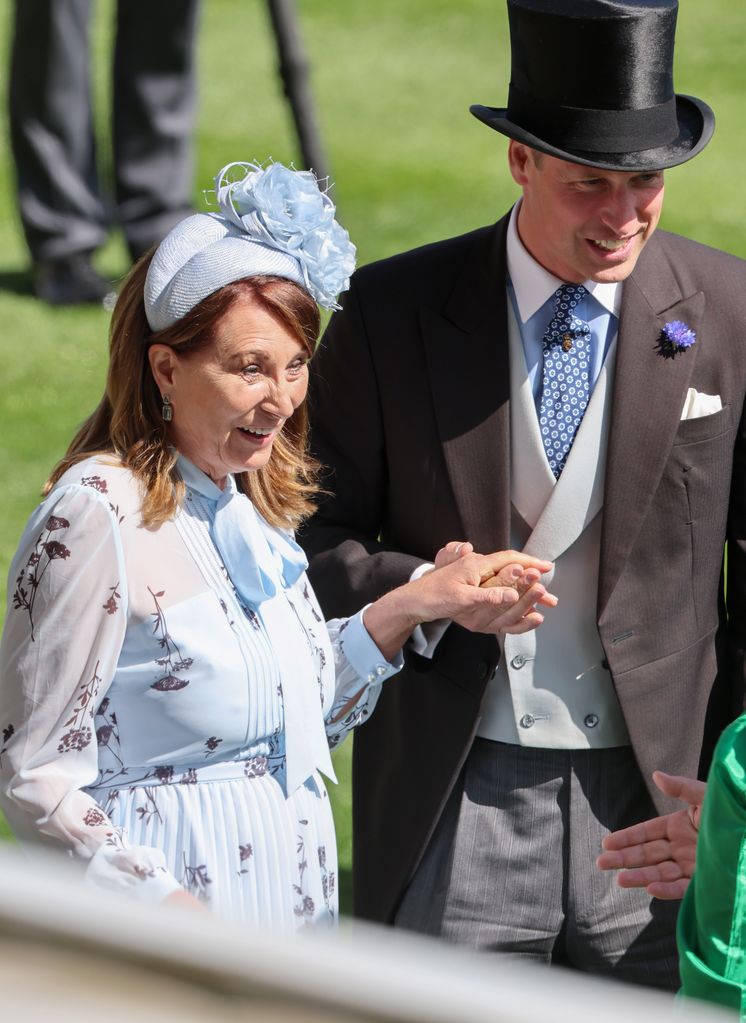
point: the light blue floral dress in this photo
(142, 705)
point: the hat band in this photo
(594, 131)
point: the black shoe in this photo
(71, 281)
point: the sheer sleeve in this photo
(360, 671)
(65, 625)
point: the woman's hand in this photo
(659, 854)
(508, 576)
(492, 593)
(182, 898)
(518, 571)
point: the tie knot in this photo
(567, 296)
(565, 326)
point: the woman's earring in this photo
(167, 409)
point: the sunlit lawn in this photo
(393, 81)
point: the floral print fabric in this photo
(141, 710)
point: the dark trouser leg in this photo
(511, 866)
(154, 105)
(615, 932)
(51, 129)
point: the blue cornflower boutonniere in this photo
(675, 337)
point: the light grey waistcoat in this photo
(552, 688)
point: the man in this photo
(466, 391)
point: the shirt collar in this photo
(533, 285)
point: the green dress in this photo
(712, 921)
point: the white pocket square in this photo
(697, 405)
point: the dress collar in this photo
(197, 480)
(259, 558)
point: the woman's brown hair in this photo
(128, 421)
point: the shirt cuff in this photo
(366, 659)
(425, 638)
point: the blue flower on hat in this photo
(286, 210)
(675, 336)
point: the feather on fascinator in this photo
(272, 220)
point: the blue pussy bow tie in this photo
(263, 563)
(261, 560)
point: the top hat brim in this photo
(696, 124)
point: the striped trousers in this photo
(511, 865)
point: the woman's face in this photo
(231, 399)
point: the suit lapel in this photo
(649, 393)
(466, 353)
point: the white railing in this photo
(73, 954)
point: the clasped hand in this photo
(491, 593)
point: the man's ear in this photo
(162, 365)
(518, 158)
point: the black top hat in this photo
(592, 82)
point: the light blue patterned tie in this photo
(565, 376)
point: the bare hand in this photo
(182, 898)
(659, 854)
(452, 552)
(515, 577)
(454, 590)
(513, 574)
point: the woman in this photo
(169, 689)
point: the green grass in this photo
(393, 81)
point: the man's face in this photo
(581, 223)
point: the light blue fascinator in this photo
(272, 220)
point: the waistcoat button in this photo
(527, 721)
(518, 661)
(590, 720)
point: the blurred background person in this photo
(62, 202)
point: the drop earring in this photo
(167, 409)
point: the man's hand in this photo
(514, 577)
(659, 854)
(455, 590)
